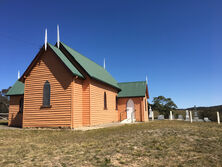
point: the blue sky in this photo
(177, 44)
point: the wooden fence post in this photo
(218, 117)
(191, 120)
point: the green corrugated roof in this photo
(94, 70)
(16, 89)
(132, 89)
(66, 61)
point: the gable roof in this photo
(60, 55)
(16, 89)
(66, 61)
(94, 70)
(133, 89)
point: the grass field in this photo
(158, 143)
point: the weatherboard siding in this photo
(77, 103)
(50, 68)
(138, 106)
(14, 116)
(86, 102)
(146, 118)
(99, 115)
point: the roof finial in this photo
(58, 38)
(45, 39)
(104, 64)
(18, 74)
(146, 79)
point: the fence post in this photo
(191, 120)
(218, 117)
(171, 116)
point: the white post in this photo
(152, 116)
(191, 120)
(104, 64)
(45, 39)
(171, 115)
(132, 117)
(218, 117)
(58, 37)
(18, 74)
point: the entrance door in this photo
(130, 110)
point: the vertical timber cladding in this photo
(99, 115)
(50, 68)
(14, 116)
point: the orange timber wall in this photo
(86, 102)
(14, 117)
(50, 68)
(141, 114)
(146, 118)
(99, 115)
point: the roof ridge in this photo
(93, 69)
(65, 60)
(131, 82)
(83, 55)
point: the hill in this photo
(209, 112)
(210, 108)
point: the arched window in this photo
(105, 102)
(46, 94)
(21, 105)
(116, 103)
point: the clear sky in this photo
(176, 43)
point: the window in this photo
(116, 103)
(46, 94)
(21, 105)
(105, 102)
(145, 105)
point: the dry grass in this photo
(159, 143)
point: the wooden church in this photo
(62, 88)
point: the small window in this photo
(46, 94)
(145, 106)
(116, 103)
(105, 101)
(21, 105)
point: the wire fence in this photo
(3, 116)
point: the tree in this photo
(4, 101)
(163, 105)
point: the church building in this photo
(62, 88)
